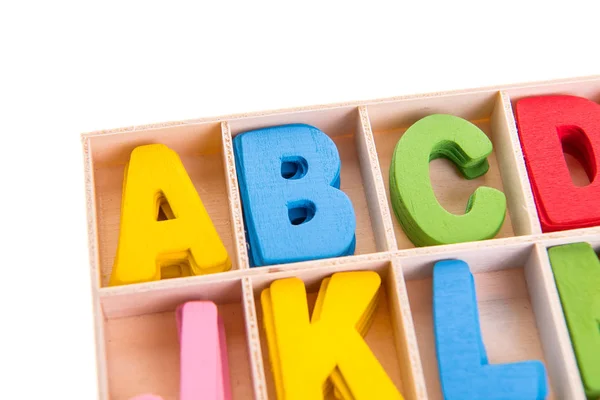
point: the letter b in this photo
(289, 179)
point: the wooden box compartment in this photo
(142, 347)
(390, 337)
(389, 121)
(343, 126)
(521, 315)
(200, 148)
(509, 322)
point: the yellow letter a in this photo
(153, 177)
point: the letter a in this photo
(155, 178)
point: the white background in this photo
(67, 68)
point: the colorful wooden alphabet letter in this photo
(204, 364)
(423, 219)
(155, 178)
(204, 371)
(577, 274)
(465, 373)
(289, 179)
(549, 127)
(304, 354)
